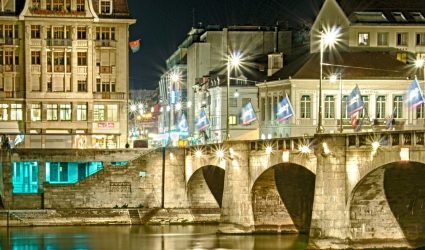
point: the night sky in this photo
(163, 24)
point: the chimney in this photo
(275, 63)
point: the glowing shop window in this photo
(25, 177)
(70, 172)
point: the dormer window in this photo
(370, 16)
(398, 16)
(105, 7)
(36, 4)
(417, 16)
(81, 5)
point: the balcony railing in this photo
(10, 41)
(109, 95)
(59, 42)
(9, 68)
(106, 43)
(13, 94)
(59, 68)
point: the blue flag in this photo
(183, 126)
(284, 110)
(414, 95)
(247, 114)
(355, 101)
(202, 122)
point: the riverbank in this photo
(124, 216)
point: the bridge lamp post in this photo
(233, 61)
(333, 78)
(327, 38)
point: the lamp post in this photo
(333, 79)
(327, 38)
(233, 60)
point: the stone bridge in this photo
(341, 189)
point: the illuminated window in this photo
(382, 38)
(65, 112)
(16, 112)
(98, 112)
(402, 57)
(329, 106)
(398, 106)
(52, 112)
(305, 106)
(82, 112)
(113, 113)
(4, 112)
(363, 39)
(233, 120)
(25, 177)
(380, 107)
(36, 112)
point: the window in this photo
(402, 39)
(81, 5)
(106, 87)
(35, 57)
(36, 4)
(70, 172)
(365, 111)
(16, 112)
(58, 33)
(305, 106)
(82, 112)
(65, 112)
(329, 107)
(82, 58)
(98, 112)
(112, 113)
(52, 112)
(35, 31)
(402, 57)
(380, 107)
(105, 7)
(58, 5)
(398, 106)
(363, 39)
(36, 112)
(417, 16)
(8, 31)
(82, 86)
(8, 57)
(105, 33)
(233, 102)
(263, 108)
(81, 33)
(420, 39)
(4, 112)
(59, 58)
(398, 16)
(382, 39)
(24, 177)
(233, 120)
(344, 107)
(420, 111)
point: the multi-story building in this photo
(377, 46)
(64, 72)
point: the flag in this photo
(134, 45)
(390, 120)
(183, 126)
(354, 120)
(284, 110)
(247, 114)
(355, 101)
(414, 95)
(202, 122)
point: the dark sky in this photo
(163, 24)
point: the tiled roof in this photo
(120, 9)
(352, 65)
(350, 7)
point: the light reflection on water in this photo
(196, 237)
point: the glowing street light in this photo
(234, 60)
(327, 38)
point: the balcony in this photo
(105, 69)
(10, 41)
(59, 68)
(12, 94)
(59, 42)
(9, 68)
(106, 43)
(109, 95)
(36, 69)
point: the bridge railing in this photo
(387, 138)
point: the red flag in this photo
(354, 120)
(134, 45)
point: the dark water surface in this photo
(196, 237)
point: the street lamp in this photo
(333, 78)
(327, 38)
(234, 60)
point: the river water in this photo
(196, 237)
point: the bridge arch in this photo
(205, 187)
(388, 203)
(282, 199)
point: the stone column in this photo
(329, 223)
(236, 211)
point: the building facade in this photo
(376, 50)
(64, 78)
